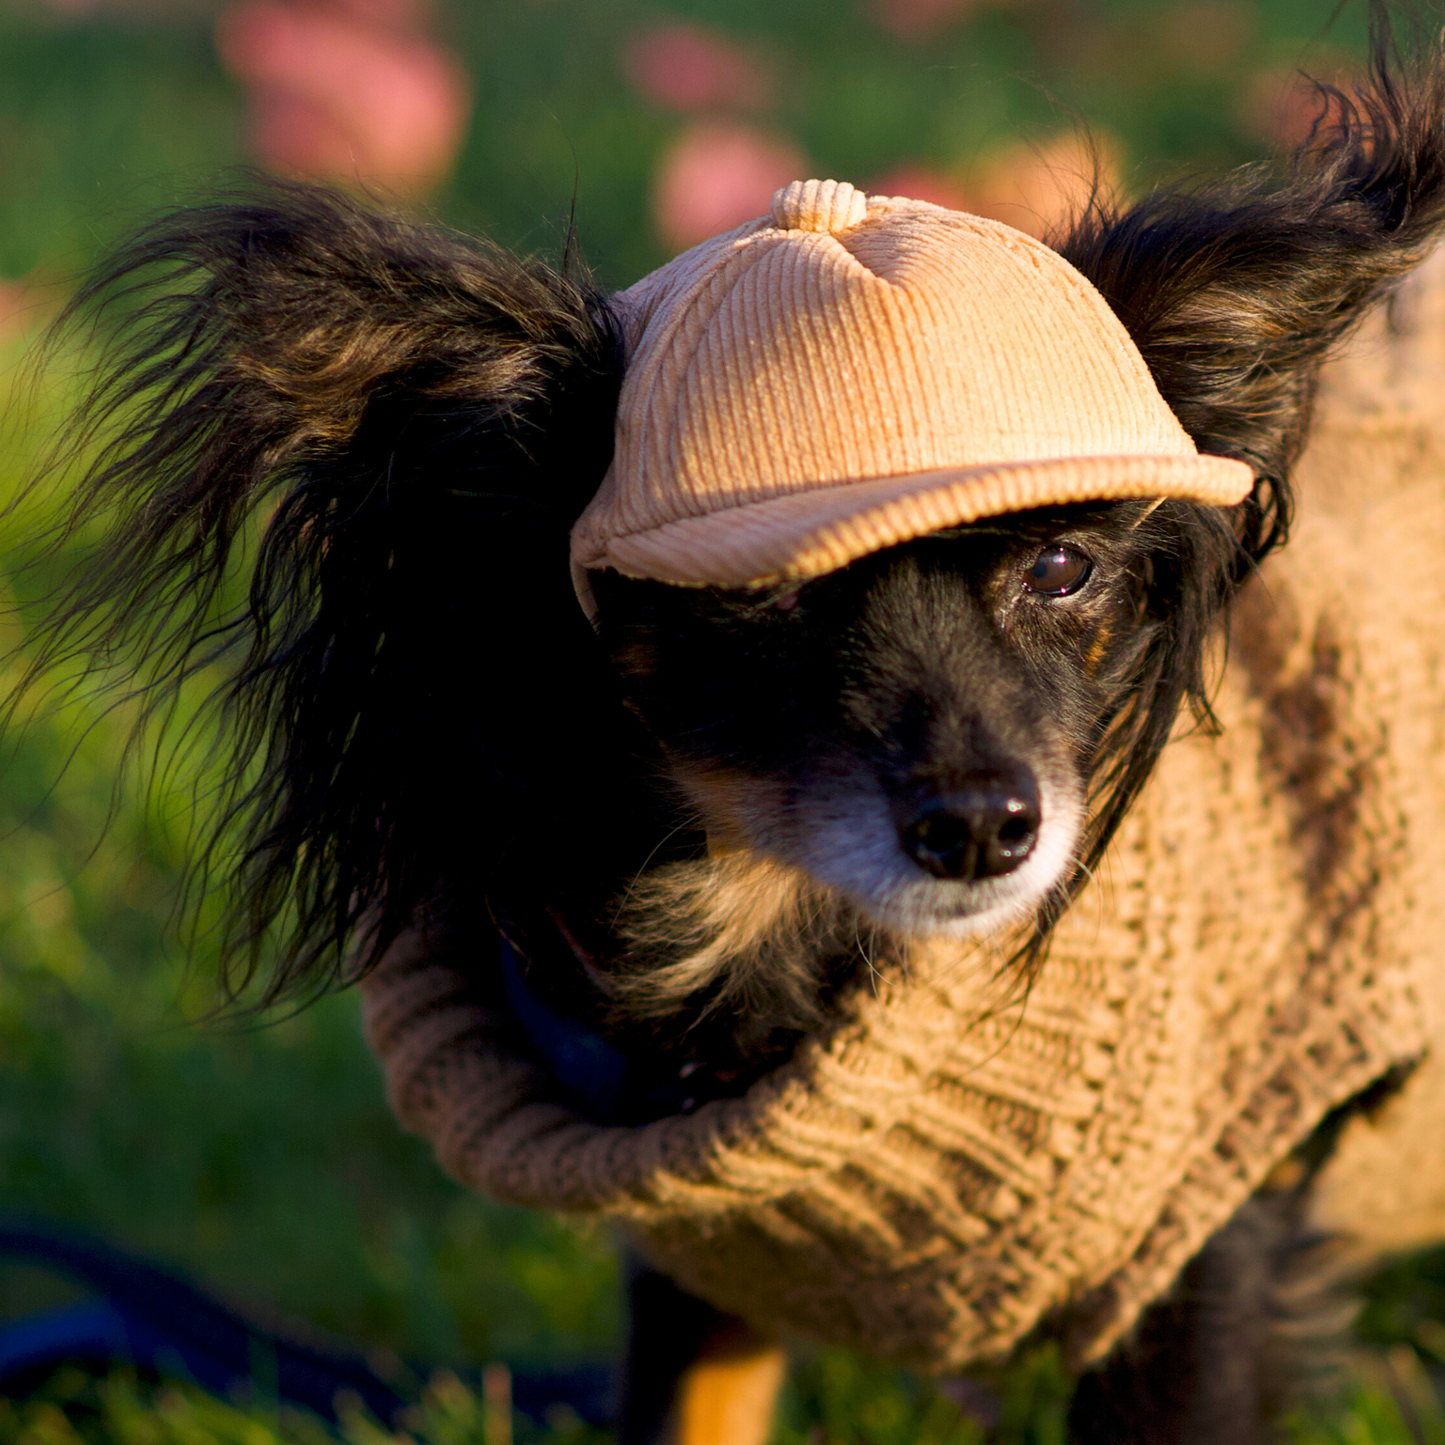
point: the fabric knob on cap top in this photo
(818, 206)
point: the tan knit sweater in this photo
(948, 1168)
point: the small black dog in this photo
(695, 822)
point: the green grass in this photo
(833, 1399)
(75, 1409)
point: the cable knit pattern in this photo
(949, 1167)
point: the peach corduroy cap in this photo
(849, 372)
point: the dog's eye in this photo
(1058, 571)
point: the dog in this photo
(680, 834)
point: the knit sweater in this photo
(954, 1163)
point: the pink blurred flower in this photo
(718, 175)
(919, 19)
(1283, 106)
(684, 67)
(922, 183)
(1038, 187)
(345, 89)
(20, 309)
(1030, 187)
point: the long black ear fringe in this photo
(391, 428)
(1236, 290)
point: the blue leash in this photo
(157, 1321)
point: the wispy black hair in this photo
(415, 417)
(1235, 290)
(410, 420)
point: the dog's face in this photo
(915, 731)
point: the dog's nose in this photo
(982, 828)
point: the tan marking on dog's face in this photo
(1098, 649)
(735, 809)
(723, 840)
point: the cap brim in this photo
(809, 533)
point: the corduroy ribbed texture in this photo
(937, 1176)
(849, 372)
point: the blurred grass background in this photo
(262, 1159)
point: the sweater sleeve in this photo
(450, 1075)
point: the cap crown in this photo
(843, 338)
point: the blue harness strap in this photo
(601, 1082)
(593, 1074)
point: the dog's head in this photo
(918, 730)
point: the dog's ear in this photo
(1235, 290)
(386, 430)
